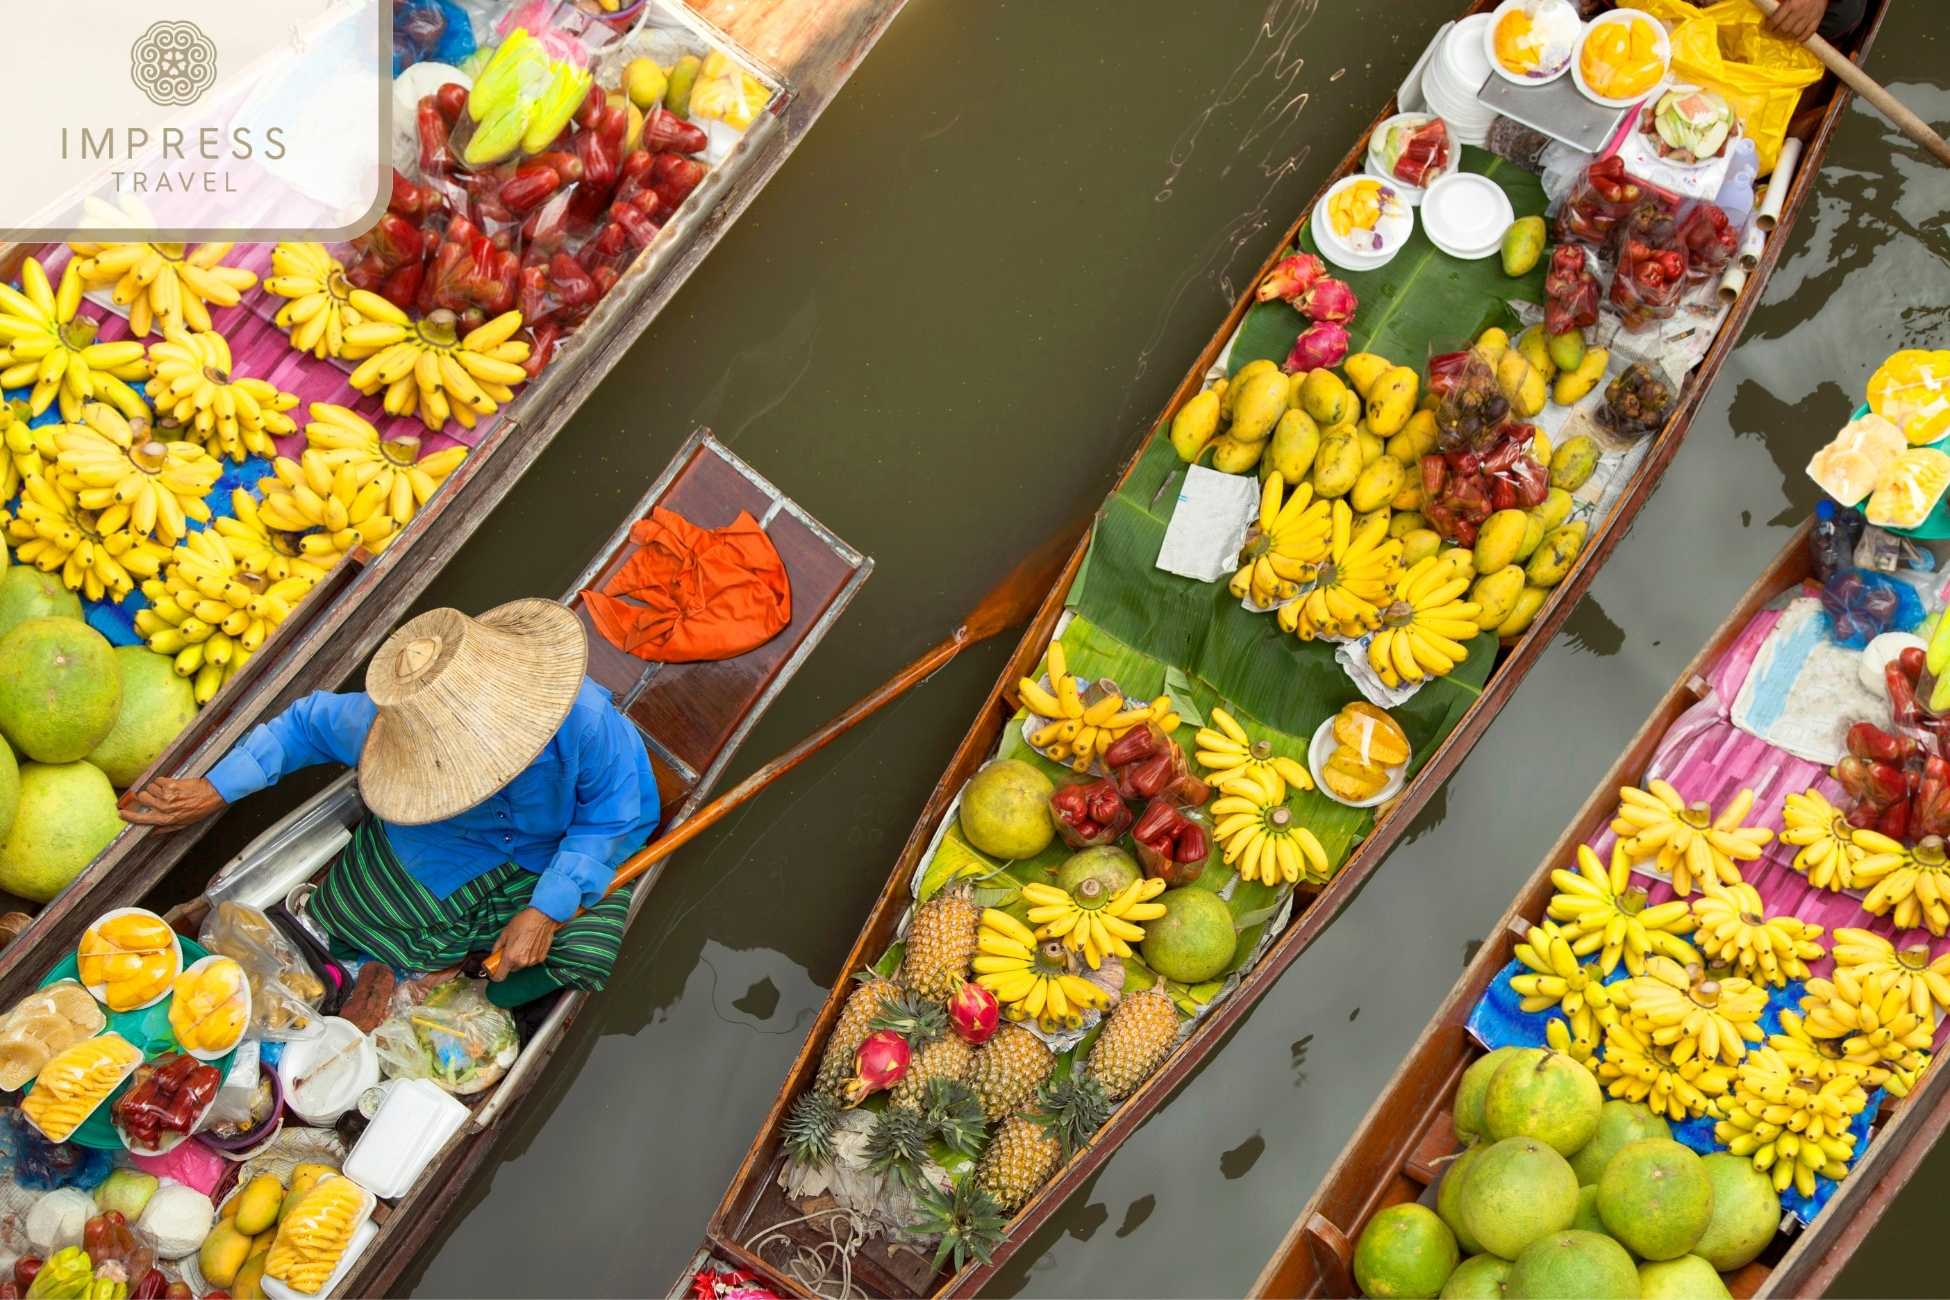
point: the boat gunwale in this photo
(747, 1185)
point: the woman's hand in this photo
(523, 943)
(169, 804)
(1797, 19)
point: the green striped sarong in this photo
(369, 901)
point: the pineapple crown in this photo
(968, 1219)
(809, 1128)
(899, 1142)
(913, 1017)
(1071, 1109)
(954, 1114)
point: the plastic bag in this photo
(1908, 488)
(456, 1038)
(1088, 811)
(1862, 606)
(1174, 840)
(1723, 48)
(284, 992)
(72, 1084)
(1710, 238)
(430, 31)
(1912, 391)
(1601, 197)
(31, 1160)
(1651, 262)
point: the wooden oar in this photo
(1870, 89)
(1008, 603)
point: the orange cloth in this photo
(707, 594)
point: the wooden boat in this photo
(331, 632)
(692, 717)
(1398, 1150)
(754, 1208)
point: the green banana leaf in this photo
(1421, 297)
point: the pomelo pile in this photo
(1563, 1194)
(80, 718)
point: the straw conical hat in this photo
(465, 704)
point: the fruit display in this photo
(429, 367)
(48, 346)
(167, 1096)
(210, 1006)
(1350, 584)
(1908, 390)
(1084, 719)
(1285, 545)
(1685, 840)
(41, 1026)
(940, 943)
(318, 307)
(1621, 60)
(70, 1086)
(1229, 752)
(1790, 1126)
(1356, 208)
(1369, 750)
(1601, 910)
(315, 1232)
(210, 614)
(1734, 930)
(1424, 630)
(1090, 919)
(195, 384)
(1261, 835)
(1035, 979)
(1414, 149)
(167, 284)
(132, 957)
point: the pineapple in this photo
(810, 1126)
(1135, 1042)
(862, 1005)
(1032, 1145)
(951, 1058)
(941, 943)
(1008, 1069)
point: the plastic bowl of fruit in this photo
(1623, 57)
(1532, 42)
(1350, 758)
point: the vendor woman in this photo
(503, 790)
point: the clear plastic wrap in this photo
(1088, 811)
(1651, 261)
(70, 1086)
(456, 1037)
(285, 994)
(1174, 840)
(314, 1234)
(1911, 389)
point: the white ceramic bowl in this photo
(1622, 16)
(100, 991)
(1465, 215)
(1322, 748)
(1560, 12)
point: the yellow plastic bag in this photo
(1722, 47)
(1912, 391)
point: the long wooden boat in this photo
(692, 717)
(755, 1209)
(330, 633)
(1398, 1150)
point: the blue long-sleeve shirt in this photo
(586, 802)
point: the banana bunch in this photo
(209, 614)
(428, 367)
(1350, 585)
(1079, 733)
(1228, 752)
(1879, 1007)
(1908, 882)
(320, 309)
(1285, 546)
(1683, 1010)
(1425, 631)
(1031, 978)
(1602, 911)
(1734, 930)
(1828, 849)
(349, 484)
(404, 482)
(54, 533)
(315, 1232)
(1823, 1059)
(1635, 1068)
(43, 343)
(164, 282)
(196, 385)
(1863, 955)
(1559, 980)
(1091, 923)
(1790, 1126)
(262, 550)
(1260, 833)
(27, 449)
(137, 482)
(1685, 839)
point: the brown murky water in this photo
(941, 328)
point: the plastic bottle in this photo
(1828, 544)
(1736, 196)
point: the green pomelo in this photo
(67, 816)
(1573, 1266)
(1005, 810)
(1468, 1108)
(26, 592)
(1193, 940)
(1519, 1191)
(1687, 1278)
(1107, 864)
(1588, 1219)
(156, 705)
(1656, 1197)
(1448, 1199)
(9, 788)
(1551, 1098)
(60, 688)
(1746, 1211)
(1405, 1251)
(1620, 1123)
(1480, 1277)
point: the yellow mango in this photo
(1574, 385)
(1363, 368)
(1367, 517)
(1391, 400)
(1229, 400)
(1260, 404)
(1573, 463)
(1372, 448)
(223, 1254)
(1555, 557)
(1555, 509)
(1380, 482)
(249, 1283)
(1337, 467)
(1419, 544)
(1194, 425)
(1533, 537)
(1404, 522)
(1521, 383)
(1230, 456)
(1535, 347)
(1566, 349)
(1411, 497)
(257, 1207)
(1324, 397)
(1529, 601)
(1295, 442)
(1497, 595)
(1523, 246)
(1491, 343)
(1416, 439)
(1498, 539)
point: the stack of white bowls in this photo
(1466, 215)
(1457, 71)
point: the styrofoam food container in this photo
(1322, 748)
(1622, 16)
(1559, 11)
(1465, 215)
(100, 991)
(316, 1103)
(361, 1238)
(411, 1125)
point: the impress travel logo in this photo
(225, 119)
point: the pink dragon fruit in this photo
(880, 1062)
(1291, 277)
(1324, 344)
(974, 1013)
(1328, 299)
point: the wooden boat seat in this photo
(692, 716)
